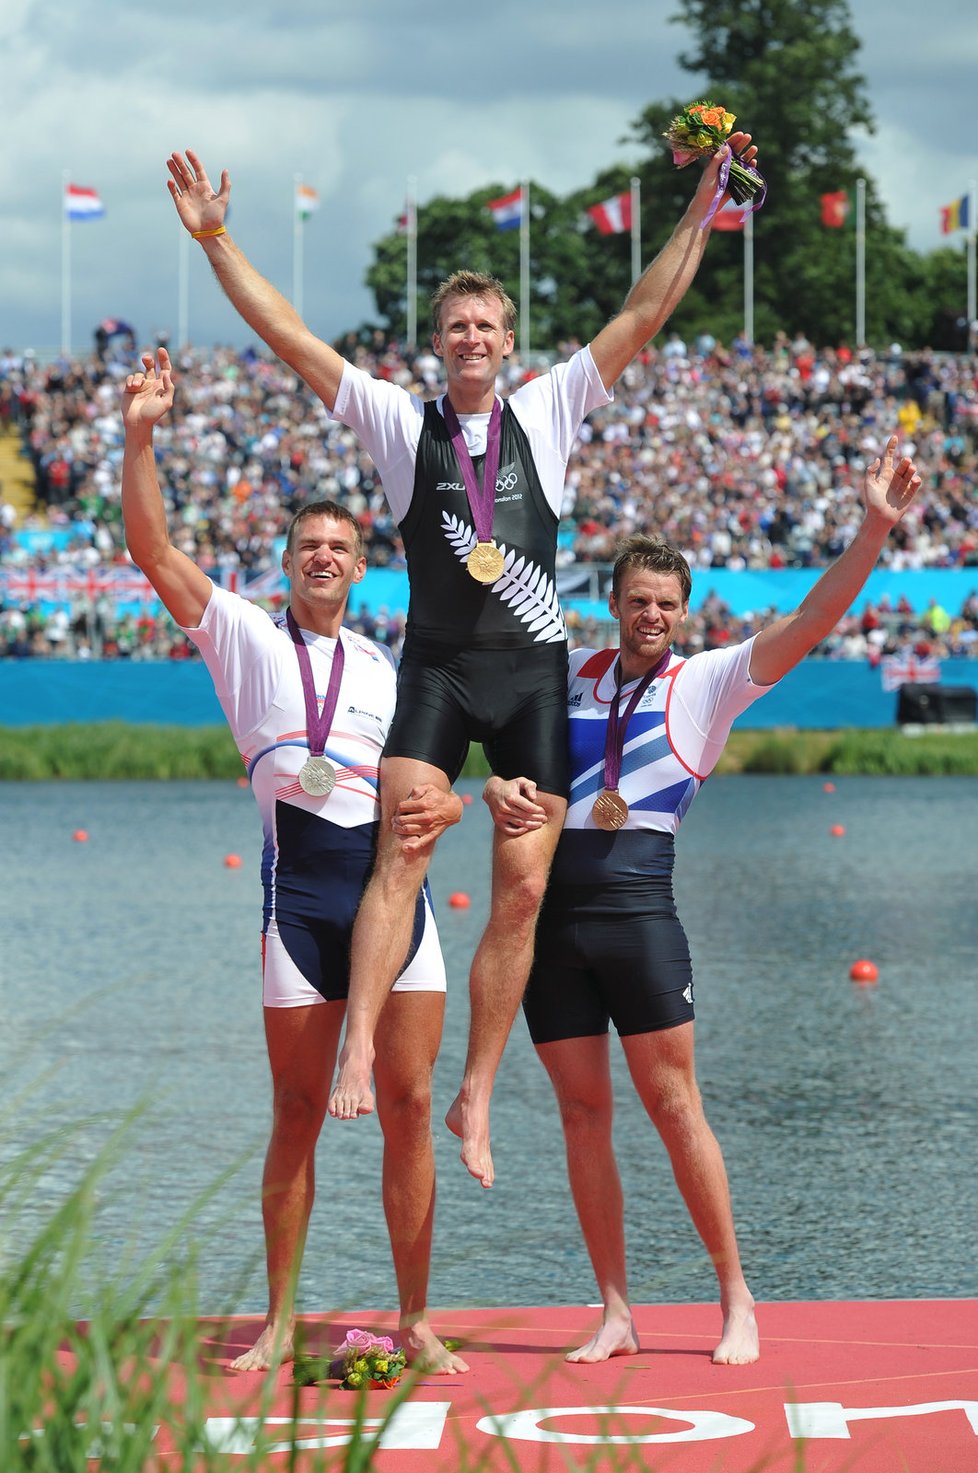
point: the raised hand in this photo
(888, 488)
(193, 194)
(147, 396)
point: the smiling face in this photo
(650, 609)
(321, 565)
(473, 340)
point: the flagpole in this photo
(183, 288)
(972, 305)
(525, 272)
(860, 263)
(636, 187)
(412, 262)
(296, 246)
(749, 280)
(65, 269)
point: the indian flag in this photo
(82, 204)
(306, 201)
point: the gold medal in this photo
(485, 562)
(609, 810)
(317, 777)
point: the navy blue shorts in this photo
(618, 955)
(512, 701)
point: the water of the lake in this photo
(129, 973)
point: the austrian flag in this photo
(507, 211)
(82, 204)
(613, 215)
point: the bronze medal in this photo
(485, 562)
(317, 777)
(609, 810)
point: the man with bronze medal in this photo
(646, 729)
(309, 704)
(475, 485)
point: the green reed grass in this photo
(115, 750)
(89, 1356)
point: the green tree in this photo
(789, 70)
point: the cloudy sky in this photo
(355, 99)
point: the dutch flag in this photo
(82, 204)
(507, 211)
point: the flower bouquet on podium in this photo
(362, 1361)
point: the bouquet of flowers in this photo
(362, 1360)
(696, 133)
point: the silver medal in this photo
(317, 777)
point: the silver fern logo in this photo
(524, 586)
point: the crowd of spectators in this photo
(747, 457)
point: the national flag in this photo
(955, 215)
(507, 211)
(835, 209)
(731, 217)
(909, 669)
(306, 201)
(612, 216)
(82, 204)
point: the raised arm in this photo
(664, 283)
(202, 211)
(184, 589)
(888, 490)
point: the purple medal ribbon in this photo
(614, 744)
(749, 209)
(317, 723)
(482, 499)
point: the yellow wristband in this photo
(206, 234)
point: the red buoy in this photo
(80, 836)
(864, 971)
(459, 900)
(466, 798)
(232, 861)
(828, 787)
(837, 830)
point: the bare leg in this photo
(302, 1046)
(520, 866)
(408, 1035)
(581, 1077)
(661, 1066)
(381, 936)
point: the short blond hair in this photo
(472, 284)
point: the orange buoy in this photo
(837, 830)
(459, 900)
(243, 782)
(864, 971)
(232, 861)
(828, 787)
(80, 836)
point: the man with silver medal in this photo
(476, 485)
(646, 729)
(309, 704)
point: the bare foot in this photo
(740, 1343)
(471, 1125)
(426, 1352)
(272, 1348)
(616, 1336)
(351, 1094)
